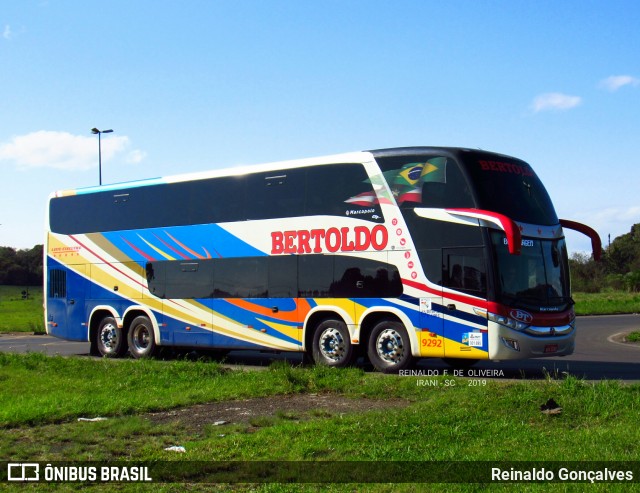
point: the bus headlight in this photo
(507, 321)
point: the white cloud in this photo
(618, 217)
(615, 82)
(62, 150)
(136, 156)
(7, 33)
(555, 101)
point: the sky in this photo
(205, 84)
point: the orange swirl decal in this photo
(293, 316)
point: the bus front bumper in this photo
(537, 342)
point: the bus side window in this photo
(452, 192)
(464, 270)
(155, 272)
(275, 194)
(241, 277)
(149, 272)
(315, 276)
(341, 190)
(283, 276)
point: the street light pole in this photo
(100, 132)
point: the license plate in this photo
(551, 348)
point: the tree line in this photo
(619, 268)
(21, 267)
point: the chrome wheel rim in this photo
(390, 346)
(141, 338)
(109, 337)
(332, 345)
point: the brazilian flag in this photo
(434, 170)
(406, 183)
(412, 174)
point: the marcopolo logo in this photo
(521, 316)
(331, 240)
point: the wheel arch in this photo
(135, 311)
(96, 316)
(317, 316)
(374, 316)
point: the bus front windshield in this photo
(510, 187)
(537, 279)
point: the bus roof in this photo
(349, 157)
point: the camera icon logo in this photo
(23, 471)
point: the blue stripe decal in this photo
(436, 307)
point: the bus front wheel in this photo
(110, 339)
(142, 341)
(389, 348)
(332, 344)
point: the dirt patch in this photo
(293, 407)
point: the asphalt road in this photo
(598, 355)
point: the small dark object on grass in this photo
(551, 407)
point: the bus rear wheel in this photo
(332, 344)
(389, 348)
(142, 341)
(110, 339)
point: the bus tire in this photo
(332, 344)
(141, 338)
(110, 339)
(389, 348)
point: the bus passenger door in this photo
(465, 330)
(430, 327)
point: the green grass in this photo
(633, 336)
(42, 396)
(18, 314)
(473, 427)
(37, 389)
(606, 303)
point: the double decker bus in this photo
(391, 254)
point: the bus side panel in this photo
(258, 319)
(232, 323)
(431, 337)
(106, 291)
(466, 335)
(190, 334)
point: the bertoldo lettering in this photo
(506, 168)
(330, 240)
